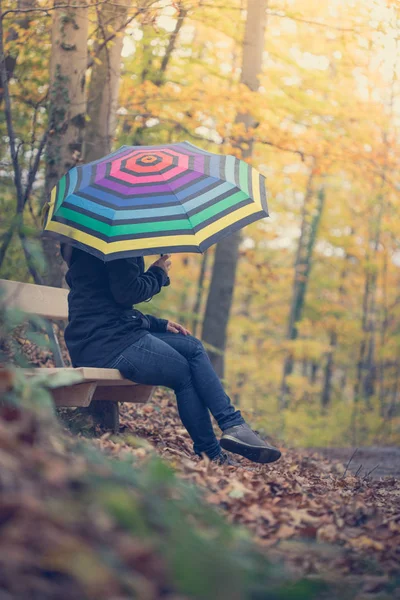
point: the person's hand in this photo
(176, 328)
(164, 262)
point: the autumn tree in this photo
(67, 107)
(103, 89)
(220, 295)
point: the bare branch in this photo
(348, 464)
(302, 155)
(310, 22)
(108, 39)
(47, 10)
(370, 472)
(7, 237)
(172, 41)
(177, 124)
(34, 169)
(358, 470)
(31, 265)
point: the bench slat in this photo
(40, 300)
(102, 376)
(82, 394)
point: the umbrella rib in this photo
(184, 210)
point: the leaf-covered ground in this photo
(75, 524)
(305, 509)
(301, 508)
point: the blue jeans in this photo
(180, 362)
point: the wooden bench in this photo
(99, 389)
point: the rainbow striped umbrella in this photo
(153, 200)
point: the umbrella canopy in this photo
(153, 200)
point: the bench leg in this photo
(74, 395)
(105, 413)
(127, 393)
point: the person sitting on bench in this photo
(104, 330)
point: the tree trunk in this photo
(314, 372)
(222, 284)
(303, 264)
(293, 315)
(382, 392)
(219, 300)
(369, 383)
(366, 367)
(183, 305)
(182, 12)
(149, 72)
(199, 293)
(104, 84)
(67, 108)
(328, 372)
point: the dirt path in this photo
(386, 459)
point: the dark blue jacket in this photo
(102, 321)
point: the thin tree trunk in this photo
(183, 306)
(383, 334)
(343, 379)
(32, 267)
(370, 366)
(314, 372)
(156, 76)
(7, 237)
(304, 367)
(302, 267)
(104, 84)
(328, 372)
(330, 359)
(199, 293)
(182, 12)
(222, 284)
(67, 108)
(391, 411)
(303, 264)
(219, 300)
(354, 423)
(366, 368)
(367, 363)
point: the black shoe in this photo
(224, 459)
(240, 439)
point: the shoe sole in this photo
(258, 454)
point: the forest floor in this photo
(306, 512)
(306, 509)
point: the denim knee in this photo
(196, 345)
(184, 380)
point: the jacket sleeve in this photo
(129, 286)
(157, 325)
